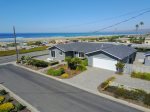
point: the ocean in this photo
(9, 36)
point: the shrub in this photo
(120, 66)
(119, 92)
(65, 75)
(19, 107)
(10, 99)
(85, 62)
(2, 98)
(54, 72)
(3, 92)
(6, 107)
(147, 99)
(106, 83)
(145, 76)
(23, 58)
(81, 68)
(39, 63)
(73, 62)
(53, 63)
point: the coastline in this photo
(46, 38)
(25, 39)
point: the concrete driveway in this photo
(91, 78)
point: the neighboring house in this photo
(147, 58)
(147, 40)
(99, 55)
(124, 40)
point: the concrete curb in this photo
(6, 63)
(90, 91)
(20, 100)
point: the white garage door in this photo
(104, 63)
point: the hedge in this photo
(145, 76)
(22, 51)
(57, 72)
(39, 63)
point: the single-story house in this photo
(147, 58)
(99, 55)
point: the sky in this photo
(71, 15)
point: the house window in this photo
(75, 52)
(60, 52)
(81, 54)
(53, 53)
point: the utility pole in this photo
(17, 53)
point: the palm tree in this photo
(141, 24)
(137, 27)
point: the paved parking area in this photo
(139, 59)
(91, 78)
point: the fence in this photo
(137, 68)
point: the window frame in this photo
(81, 55)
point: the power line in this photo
(107, 19)
(116, 24)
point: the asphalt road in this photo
(6, 59)
(49, 95)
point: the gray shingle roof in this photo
(147, 53)
(118, 51)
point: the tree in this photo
(137, 27)
(73, 63)
(141, 23)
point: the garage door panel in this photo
(104, 63)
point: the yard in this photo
(73, 67)
(128, 87)
(35, 64)
(137, 96)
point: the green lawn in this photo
(22, 51)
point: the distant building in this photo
(147, 58)
(147, 40)
(124, 40)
